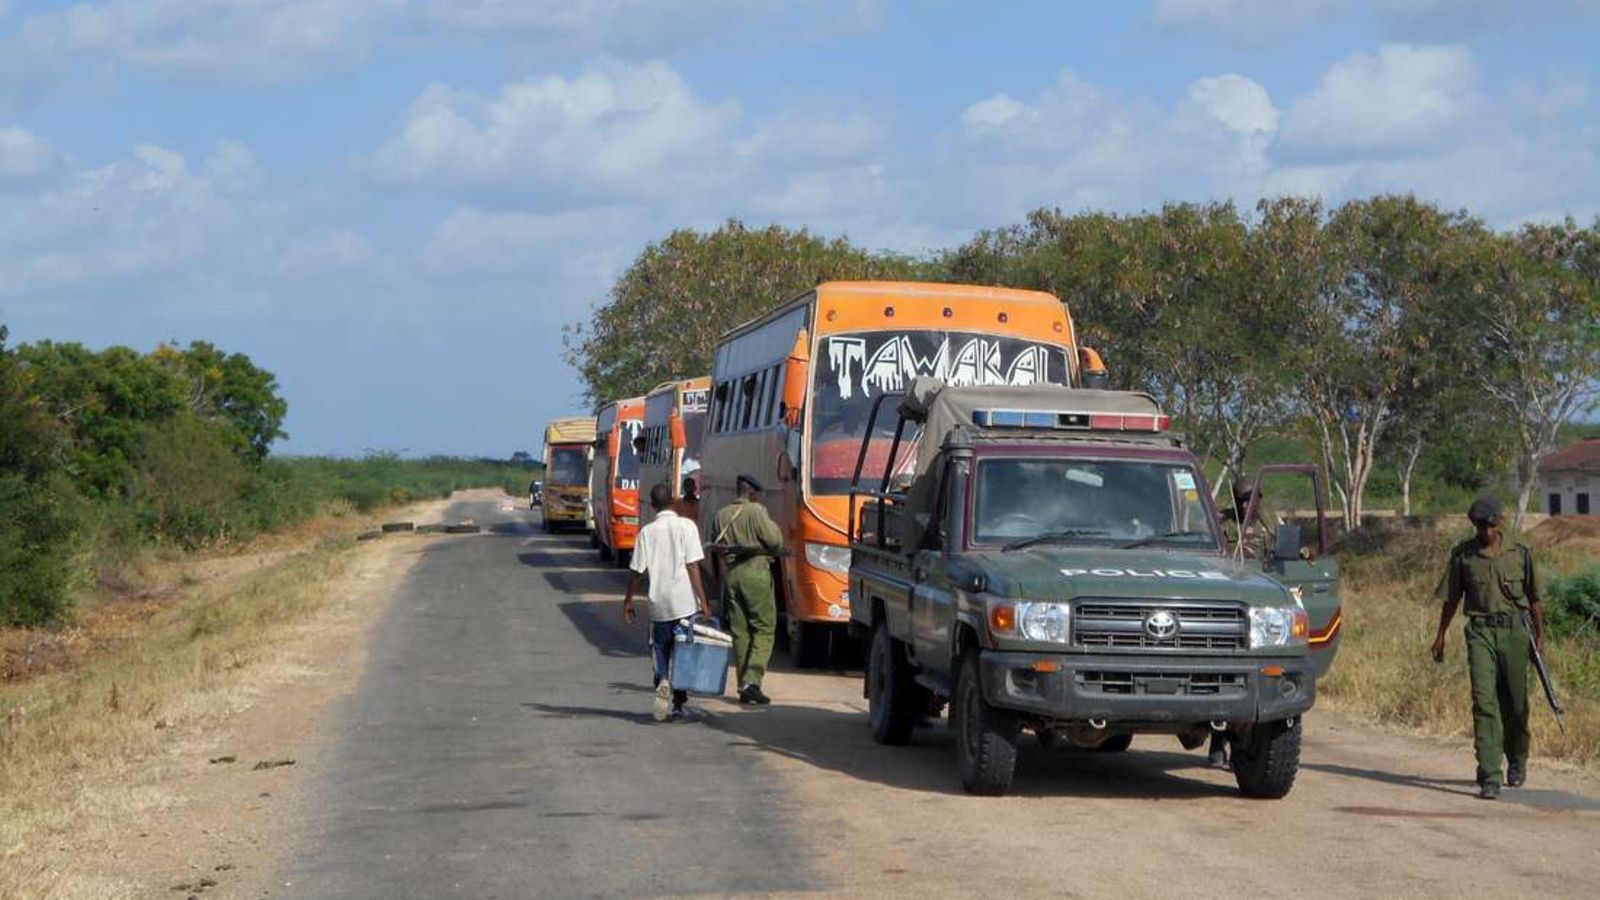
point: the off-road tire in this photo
(1265, 765)
(986, 738)
(893, 698)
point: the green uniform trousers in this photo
(753, 618)
(1497, 657)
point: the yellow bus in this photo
(792, 390)
(568, 446)
(674, 424)
(614, 478)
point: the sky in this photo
(396, 205)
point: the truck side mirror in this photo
(796, 374)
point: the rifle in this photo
(1544, 676)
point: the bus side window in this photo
(760, 402)
(721, 415)
(747, 405)
(774, 375)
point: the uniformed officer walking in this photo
(1503, 594)
(749, 539)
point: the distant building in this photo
(1569, 479)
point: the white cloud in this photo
(265, 40)
(1402, 119)
(23, 154)
(615, 127)
(1256, 21)
(483, 242)
(1398, 97)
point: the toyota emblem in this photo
(1161, 625)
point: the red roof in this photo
(1584, 456)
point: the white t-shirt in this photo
(663, 551)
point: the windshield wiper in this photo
(1157, 537)
(1053, 536)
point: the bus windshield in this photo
(567, 467)
(852, 370)
(1090, 501)
(627, 477)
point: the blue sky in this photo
(396, 204)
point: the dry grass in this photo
(1385, 675)
(66, 737)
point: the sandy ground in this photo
(211, 823)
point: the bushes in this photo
(1574, 602)
(36, 537)
(189, 483)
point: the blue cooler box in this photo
(700, 667)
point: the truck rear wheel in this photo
(1265, 765)
(892, 696)
(986, 738)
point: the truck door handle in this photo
(1319, 588)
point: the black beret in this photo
(1242, 489)
(750, 482)
(1485, 509)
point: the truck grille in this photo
(1200, 625)
(1209, 684)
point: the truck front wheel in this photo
(892, 694)
(986, 738)
(1266, 763)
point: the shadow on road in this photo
(601, 624)
(1465, 787)
(837, 741)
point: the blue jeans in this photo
(663, 635)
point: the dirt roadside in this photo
(1372, 815)
(206, 814)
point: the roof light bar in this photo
(1017, 418)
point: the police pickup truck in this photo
(1048, 559)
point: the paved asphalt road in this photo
(500, 746)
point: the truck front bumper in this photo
(1144, 690)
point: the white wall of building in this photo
(1571, 486)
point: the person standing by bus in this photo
(749, 539)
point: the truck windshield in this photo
(1076, 501)
(567, 467)
(852, 370)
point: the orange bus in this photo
(674, 423)
(614, 479)
(792, 390)
(568, 445)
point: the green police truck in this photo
(1048, 559)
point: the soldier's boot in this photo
(1516, 775)
(1218, 755)
(1489, 791)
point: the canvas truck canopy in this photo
(941, 409)
(573, 430)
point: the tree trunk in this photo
(1407, 469)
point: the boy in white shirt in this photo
(668, 553)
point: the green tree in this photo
(36, 528)
(665, 313)
(1370, 327)
(1534, 303)
(189, 482)
(105, 401)
(230, 389)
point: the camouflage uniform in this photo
(747, 592)
(1496, 589)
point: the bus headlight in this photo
(828, 557)
(1279, 626)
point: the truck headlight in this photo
(829, 557)
(1047, 623)
(1279, 626)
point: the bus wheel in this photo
(808, 644)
